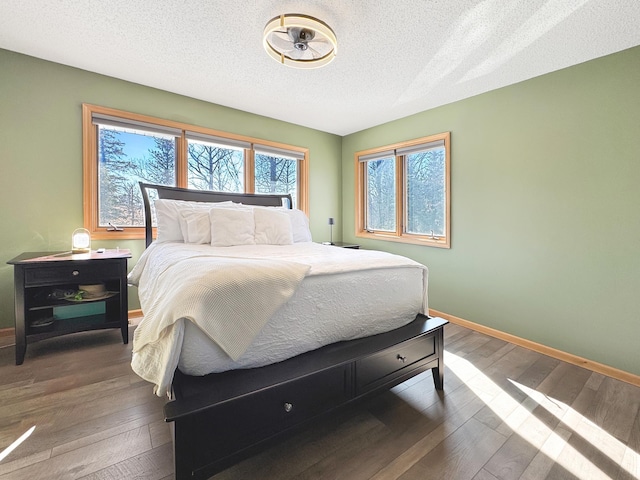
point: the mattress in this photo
(345, 294)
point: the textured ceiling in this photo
(395, 58)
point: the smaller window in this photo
(381, 194)
(403, 192)
(425, 199)
(215, 163)
(276, 170)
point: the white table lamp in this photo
(81, 241)
(331, 222)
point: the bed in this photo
(253, 330)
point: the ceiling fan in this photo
(299, 41)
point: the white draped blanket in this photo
(230, 299)
(230, 293)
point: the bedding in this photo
(328, 294)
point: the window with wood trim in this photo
(403, 192)
(121, 148)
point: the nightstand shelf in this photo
(74, 325)
(44, 306)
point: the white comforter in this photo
(228, 292)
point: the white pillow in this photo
(272, 226)
(169, 219)
(195, 225)
(299, 225)
(231, 226)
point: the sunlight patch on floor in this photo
(606, 443)
(16, 444)
(519, 418)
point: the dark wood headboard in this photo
(176, 193)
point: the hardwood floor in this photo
(506, 413)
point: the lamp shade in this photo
(81, 241)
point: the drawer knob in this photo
(401, 358)
(75, 273)
(288, 407)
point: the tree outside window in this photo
(276, 174)
(381, 194)
(124, 159)
(214, 167)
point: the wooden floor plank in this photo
(484, 475)
(102, 434)
(406, 457)
(86, 460)
(22, 462)
(631, 460)
(299, 454)
(615, 404)
(154, 464)
(545, 459)
(57, 423)
(461, 455)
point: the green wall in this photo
(41, 154)
(545, 208)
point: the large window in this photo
(403, 192)
(121, 149)
(126, 154)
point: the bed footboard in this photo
(219, 419)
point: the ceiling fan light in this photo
(301, 30)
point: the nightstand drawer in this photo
(94, 272)
(385, 366)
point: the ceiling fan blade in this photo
(296, 54)
(283, 34)
(320, 39)
(320, 48)
(279, 42)
(314, 53)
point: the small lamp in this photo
(331, 222)
(81, 241)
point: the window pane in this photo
(276, 175)
(381, 194)
(215, 167)
(426, 196)
(125, 157)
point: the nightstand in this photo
(45, 307)
(342, 244)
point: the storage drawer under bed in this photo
(393, 362)
(255, 417)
